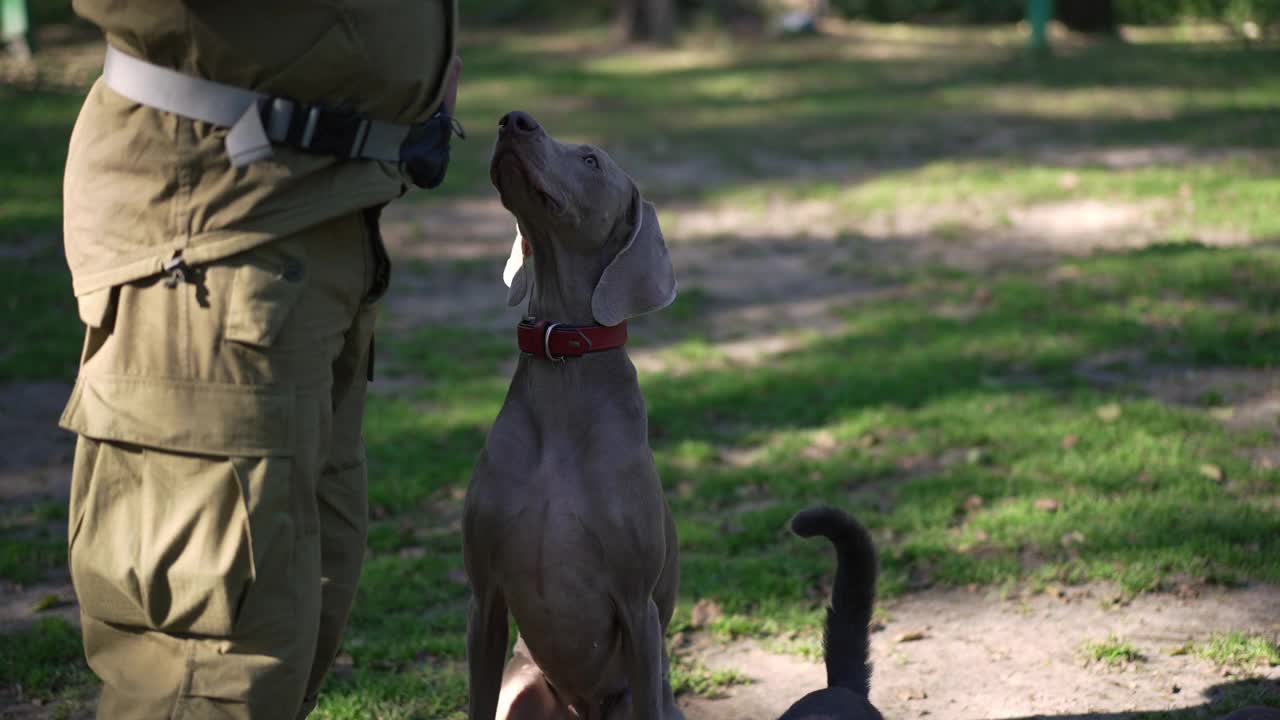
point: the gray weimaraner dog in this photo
(565, 525)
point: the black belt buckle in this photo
(315, 128)
(331, 131)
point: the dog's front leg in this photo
(486, 651)
(650, 690)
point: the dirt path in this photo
(36, 461)
(984, 658)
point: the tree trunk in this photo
(1088, 16)
(647, 21)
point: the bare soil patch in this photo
(982, 657)
(1243, 399)
(36, 462)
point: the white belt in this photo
(257, 121)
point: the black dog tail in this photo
(845, 640)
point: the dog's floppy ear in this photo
(640, 278)
(516, 274)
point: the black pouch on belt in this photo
(424, 155)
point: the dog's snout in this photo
(518, 122)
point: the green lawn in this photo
(971, 443)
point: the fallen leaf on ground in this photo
(973, 502)
(343, 665)
(1213, 472)
(1067, 272)
(909, 636)
(822, 446)
(48, 602)
(1070, 441)
(705, 612)
(1224, 414)
(866, 440)
(1046, 504)
(1108, 413)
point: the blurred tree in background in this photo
(647, 20)
(657, 20)
(1089, 16)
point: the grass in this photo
(900, 413)
(1239, 649)
(1113, 652)
(33, 540)
(35, 287)
(34, 148)
(45, 661)
(698, 679)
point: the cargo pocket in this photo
(186, 492)
(172, 542)
(266, 287)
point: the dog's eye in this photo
(591, 161)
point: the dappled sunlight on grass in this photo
(947, 405)
(1202, 194)
(1079, 103)
(1107, 101)
(970, 445)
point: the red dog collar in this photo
(554, 341)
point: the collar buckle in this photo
(546, 343)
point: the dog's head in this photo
(574, 203)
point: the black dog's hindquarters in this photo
(846, 643)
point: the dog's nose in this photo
(518, 122)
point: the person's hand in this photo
(451, 85)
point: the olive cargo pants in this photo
(218, 505)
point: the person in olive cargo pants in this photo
(218, 505)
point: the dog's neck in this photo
(564, 281)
